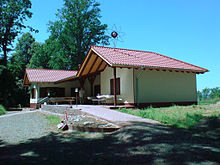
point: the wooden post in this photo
(91, 80)
(115, 96)
(82, 81)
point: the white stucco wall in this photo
(126, 83)
(164, 86)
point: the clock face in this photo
(114, 34)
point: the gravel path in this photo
(23, 126)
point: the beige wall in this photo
(126, 83)
(160, 86)
(87, 86)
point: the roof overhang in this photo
(160, 68)
(93, 63)
(25, 80)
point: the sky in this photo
(188, 30)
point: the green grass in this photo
(178, 116)
(211, 101)
(2, 110)
(53, 119)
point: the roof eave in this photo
(160, 68)
(65, 79)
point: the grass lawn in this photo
(178, 116)
(53, 119)
(211, 101)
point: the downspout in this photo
(137, 80)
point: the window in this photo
(117, 86)
(33, 93)
(54, 92)
(43, 92)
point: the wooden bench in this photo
(57, 100)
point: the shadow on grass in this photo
(139, 143)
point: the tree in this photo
(205, 93)
(77, 28)
(199, 95)
(215, 93)
(41, 57)
(23, 53)
(13, 13)
(209, 93)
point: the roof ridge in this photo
(51, 69)
(153, 53)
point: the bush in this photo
(2, 110)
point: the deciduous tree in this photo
(77, 28)
(23, 53)
(13, 13)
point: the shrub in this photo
(2, 110)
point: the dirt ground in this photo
(139, 143)
(135, 144)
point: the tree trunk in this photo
(5, 77)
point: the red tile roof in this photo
(46, 75)
(127, 57)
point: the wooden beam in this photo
(91, 80)
(103, 66)
(115, 96)
(84, 66)
(99, 65)
(96, 65)
(93, 64)
(82, 81)
(89, 65)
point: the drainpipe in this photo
(137, 84)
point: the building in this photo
(139, 78)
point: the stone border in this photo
(93, 129)
(60, 109)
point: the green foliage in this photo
(17, 94)
(40, 56)
(13, 13)
(53, 119)
(77, 28)
(2, 110)
(209, 94)
(23, 53)
(178, 116)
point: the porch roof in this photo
(46, 75)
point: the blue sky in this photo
(187, 30)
